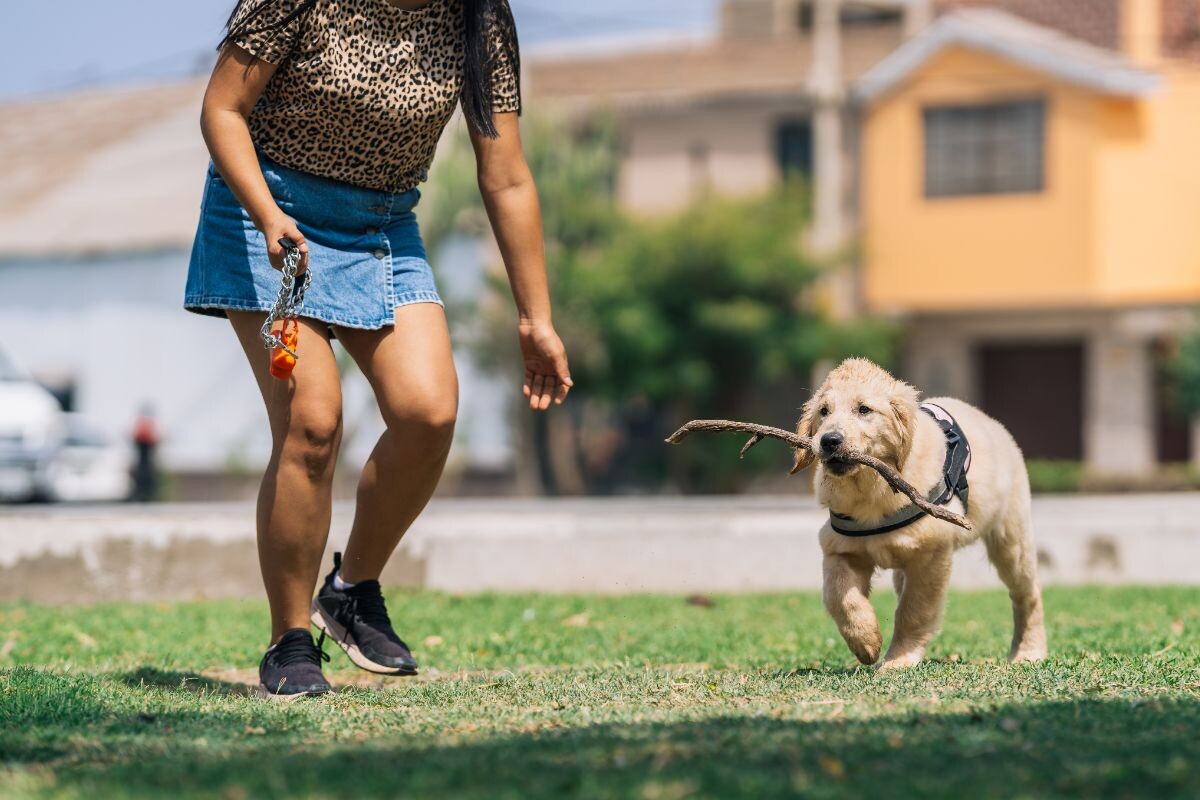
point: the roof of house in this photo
(1096, 22)
(101, 171)
(1010, 37)
(696, 68)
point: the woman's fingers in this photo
(536, 398)
(527, 389)
(561, 394)
(547, 393)
(564, 377)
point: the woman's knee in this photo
(431, 415)
(311, 439)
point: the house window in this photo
(852, 15)
(985, 149)
(794, 148)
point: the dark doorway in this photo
(1036, 391)
(794, 148)
(1172, 428)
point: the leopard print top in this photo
(363, 89)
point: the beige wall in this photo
(668, 157)
(1147, 198)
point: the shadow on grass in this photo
(95, 746)
(185, 681)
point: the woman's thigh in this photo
(311, 401)
(410, 366)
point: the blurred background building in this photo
(1020, 175)
(1014, 183)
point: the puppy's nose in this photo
(831, 441)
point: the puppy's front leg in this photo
(919, 612)
(847, 587)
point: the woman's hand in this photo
(547, 377)
(281, 227)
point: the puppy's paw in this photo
(866, 648)
(903, 661)
(1029, 655)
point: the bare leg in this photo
(411, 370)
(847, 587)
(1012, 552)
(295, 499)
(919, 612)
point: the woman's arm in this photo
(236, 83)
(511, 200)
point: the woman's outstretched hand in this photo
(547, 376)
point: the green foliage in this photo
(541, 696)
(1183, 371)
(1068, 477)
(1054, 477)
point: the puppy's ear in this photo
(905, 406)
(806, 427)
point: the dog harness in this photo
(952, 483)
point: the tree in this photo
(703, 313)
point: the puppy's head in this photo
(859, 407)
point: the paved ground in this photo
(62, 554)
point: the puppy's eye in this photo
(824, 412)
(864, 410)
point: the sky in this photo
(52, 47)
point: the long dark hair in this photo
(490, 36)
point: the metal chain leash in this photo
(291, 297)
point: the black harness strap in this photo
(952, 483)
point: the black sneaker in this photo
(358, 620)
(291, 667)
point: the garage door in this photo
(1036, 390)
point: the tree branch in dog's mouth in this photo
(797, 442)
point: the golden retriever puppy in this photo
(862, 407)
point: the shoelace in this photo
(366, 603)
(296, 649)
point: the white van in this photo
(32, 429)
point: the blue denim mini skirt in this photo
(364, 250)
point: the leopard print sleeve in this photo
(506, 68)
(268, 29)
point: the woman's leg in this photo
(295, 499)
(411, 370)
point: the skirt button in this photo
(379, 254)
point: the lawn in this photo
(641, 697)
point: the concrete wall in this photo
(609, 546)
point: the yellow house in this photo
(1030, 207)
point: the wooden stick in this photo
(798, 442)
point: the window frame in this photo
(982, 149)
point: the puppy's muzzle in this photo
(831, 445)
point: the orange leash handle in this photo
(283, 343)
(282, 361)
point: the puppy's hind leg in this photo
(922, 590)
(1012, 551)
(847, 587)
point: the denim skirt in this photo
(364, 251)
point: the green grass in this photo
(644, 697)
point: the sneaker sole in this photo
(337, 633)
(264, 692)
